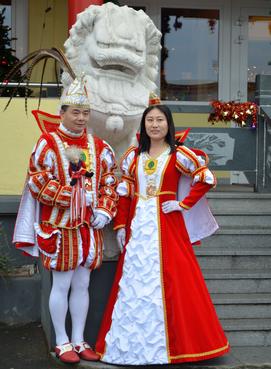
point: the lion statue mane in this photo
(117, 49)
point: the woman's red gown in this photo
(159, 310)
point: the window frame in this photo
(240, 13)
(153, 9)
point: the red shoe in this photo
(85, 352)
(67, 354)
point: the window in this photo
(189, 56)
(7, 13)
(259, 50)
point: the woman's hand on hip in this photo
(170, 206)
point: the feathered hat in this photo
(76, 94)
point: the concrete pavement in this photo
(24, 347)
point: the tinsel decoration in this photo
(242, 114)
(78, 172)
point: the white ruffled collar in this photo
(69, 132)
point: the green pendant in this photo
(83, 157)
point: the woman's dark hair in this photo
(144, 139)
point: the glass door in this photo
(190, 54)
(255, 49)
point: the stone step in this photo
(240, 230)
(246, 324)
(247, 262)
(238, 195)
(252, 219)
(230, 258)
(248, 332)
(221, 251)
(236, 281)
(239, 237)
(240, 305)
(241, 298)
(235, 202)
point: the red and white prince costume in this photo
(159, 310)
(54, 219)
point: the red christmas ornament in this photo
(240, 113)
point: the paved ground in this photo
(25, 347)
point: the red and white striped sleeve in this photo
(43, 177)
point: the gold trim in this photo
(63, 251)
(43, 117)
(182, 205)
(200, 354)
(162, 279)
(125, 155)
(156, 195)
(38, 172)
(182, 168)
(199, 170)
(190, 155)
(105, 210)
(119, 226)
(61, 154)
(80, 106)
(163, 173)
(63, 227)
(70, 262)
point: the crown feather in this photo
(33, 59)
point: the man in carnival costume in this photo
(71, 190)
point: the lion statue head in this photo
(117, 49)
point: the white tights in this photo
(78, 280)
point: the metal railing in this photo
(30, 84)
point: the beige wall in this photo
(194, 120)
(19, 133)
(53, 35)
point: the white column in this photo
(19, 25)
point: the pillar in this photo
(77, 6)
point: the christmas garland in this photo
(240, 113)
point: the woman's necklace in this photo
(151, 167)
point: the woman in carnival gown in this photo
(159, 310)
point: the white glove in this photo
(170, 206)
(121, 235)
(100, 220)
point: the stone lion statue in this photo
(117, 48)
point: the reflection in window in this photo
(259, 50)
(7, 13)
(189, 56)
